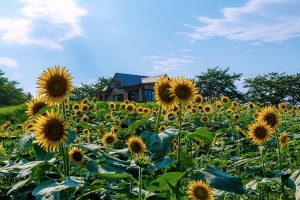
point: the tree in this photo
(273, 88)
(90, 90)
(217, 82)
(10, 94)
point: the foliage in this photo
(216, 82)
(273, 88)
(10, 94)
(90, 90)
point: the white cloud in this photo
(162, 64)
(43, 22)
(256, 20)
(8, 62)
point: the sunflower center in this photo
(183, 92)
(271, 119)
(57, 86)
(260, 132)
(37, 107)
(110, 140)
(165, 94)
(54, 130)
(207, 109)
(201, 193)
(77, 156)
(283, 139)
(136, 147)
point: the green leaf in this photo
(41, 153)
(294, 183)
(202, 134)
(26, 140)
(160, 164)
(71, 137)
(87, 125)
(133, 126)
(18, 185)
(161, 184)
(159, 144)
(219, 180)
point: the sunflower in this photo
(204, 119)
(126, 101)
(175, 108)
(50, 131)
(76, 106)
(235, 104)
(171, 116)
(85, 118)
(162, 128)
(200, 107)
(85, 101)
(86, 131)
(283, 139)
(130, 107)
(108, 117)
(94, 99)
(84, 107)
(162, 92)
(270, 115)
(55, 84)
(224, 99)
(189, 106)
(251, 105)
(194, 110)
(117, 121)
(112, 105)
(114, 129)
(183, 89)
(78, 113)
(198, 98)
(260, 132)
(33, 107)
(136, 145)
(123, 105)
(146, 111)
(236, 116)
(76, 155)
(207, 108)
(229, 110)
(199, 190)
(140, 110)
(218, 104)
(282, 106)
(109, 138)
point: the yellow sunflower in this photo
(194, 110)
(283, 139)
(140, 110)
(126, 101)
(85, 118)
(204, 119)
(117, 121)
(184, 90)
(207, 108)
(236, 116)
(84, 107)
(199, 98)
(55, 84)
(130, 107)
(109, 138)
(162, 92)
(270, 115)
(251, 105)
(282, 106)
(171, 116)
(199, 190)
(108, 117)
(112, 105)
(218, 104)
(76, 106)
(94, 99)
(235, 104)
(162, 128)
(224, 99)
(200, 107)
(136, 145)
(33, 107)
(50, 131)
(85, 101)
(114, 129)
(146, 111)
(78, 113)
(76, 155)
(260, 132)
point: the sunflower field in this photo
(182, 147)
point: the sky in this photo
(94, 38)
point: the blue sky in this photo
(100, 37)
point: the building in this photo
(128, 86)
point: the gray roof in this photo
(152, 79)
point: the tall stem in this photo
(158, 118)
(262, 161)
(65, 147)
(140, 183)
(179, 135)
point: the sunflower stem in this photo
(179, 134)
(262, 161)
(158, 118)
(140, 182)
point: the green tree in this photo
(273, 88)
(217, 82)
(90, 90)
(10, 94)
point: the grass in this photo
(15, 114)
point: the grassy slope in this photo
(15, 114)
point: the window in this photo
(149, 94)
(118, 97)
(133, 95)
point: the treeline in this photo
(10, 93)
(271, 88)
